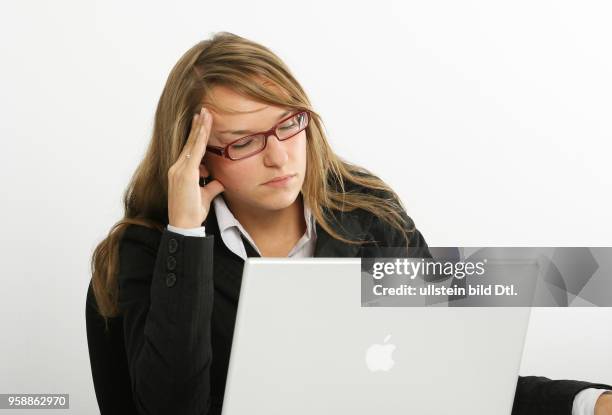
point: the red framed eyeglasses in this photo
(255, 143)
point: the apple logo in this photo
(378, 356)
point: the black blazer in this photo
(168, 351)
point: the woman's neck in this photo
(274, 233)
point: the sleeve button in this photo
(172, 245)
(170, 279)
(171, 263)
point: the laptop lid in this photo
(303, 344)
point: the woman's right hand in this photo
(188, 203)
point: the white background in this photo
(490, 119)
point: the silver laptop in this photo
(303, 344)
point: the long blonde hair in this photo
(235, 62)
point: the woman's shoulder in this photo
(383, 195)
(380, 230)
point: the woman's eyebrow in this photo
(284, 114)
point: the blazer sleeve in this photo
(165, 297)
(537, 395)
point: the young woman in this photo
(238, 166)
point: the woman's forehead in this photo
(227, 103)
(225, 98)
(236, 115)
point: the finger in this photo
(201, 141)
(193, 135)
(211, 190)
(196, 125)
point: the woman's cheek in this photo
(301, 151)
(233, 178)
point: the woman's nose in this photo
(275, 153)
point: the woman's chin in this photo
(279, 200)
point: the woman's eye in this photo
(243, 144)
(288, 126)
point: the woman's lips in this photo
(280, 182)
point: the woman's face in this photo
(245, 180)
